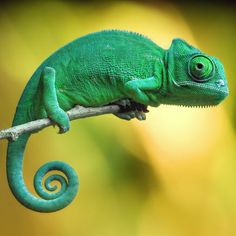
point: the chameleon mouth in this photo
(222, 92)
(211, 95)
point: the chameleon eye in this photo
(201, 68)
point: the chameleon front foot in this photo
(131, 109)
(132, 114)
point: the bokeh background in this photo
(172, 175)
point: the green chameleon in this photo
(107, 67)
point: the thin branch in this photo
(77, 112)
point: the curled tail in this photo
(48, 202)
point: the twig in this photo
(75, 113)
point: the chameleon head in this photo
(194, 78)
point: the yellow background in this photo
(172, 175)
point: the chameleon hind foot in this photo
(54, 112)
(61, 118)
(131, 109)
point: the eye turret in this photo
(201, 68)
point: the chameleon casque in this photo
(106, 67)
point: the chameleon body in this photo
(102, 68)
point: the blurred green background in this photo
(172, 175)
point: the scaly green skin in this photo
(102, 68)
